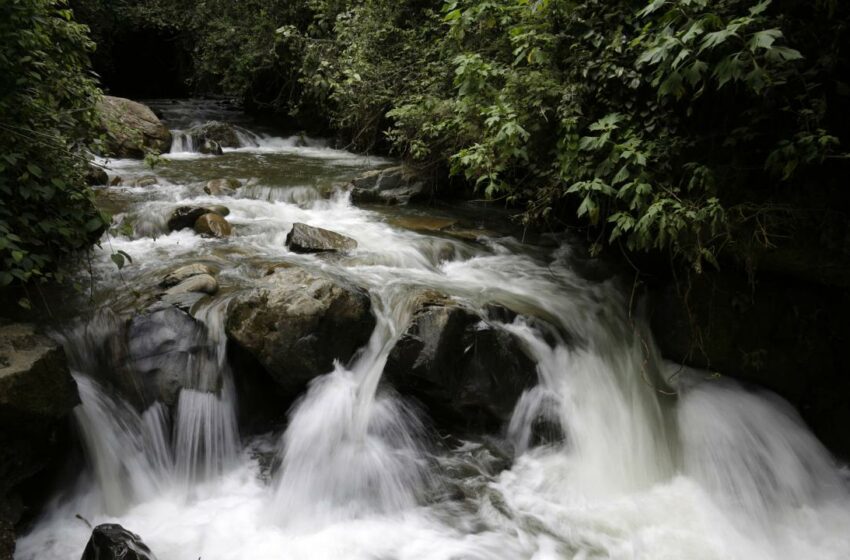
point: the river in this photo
(654, 461)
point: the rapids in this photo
(656, 461)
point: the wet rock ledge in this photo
(37, 393)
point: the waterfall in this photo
(612, 453)
(135, 455)
(349, 452)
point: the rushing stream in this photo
(655, 462)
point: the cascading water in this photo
(616, 453)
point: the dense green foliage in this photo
(47, 119)
(689, 127)
(673, 125)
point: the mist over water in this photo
(641, 459)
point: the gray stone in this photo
(308, 239)
(34, 377)
(295, 323)
(394, 185)
(167, 350)
(132, 129)
(466, 372)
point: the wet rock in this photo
(220, 133)
(132, 129)
(180, 274)
(219, 209)
(144, 181)
(295, 323)
(96, 175)
(394, 185)
(34, 376)
(185, 217)
(308, 239)
(466, 372)
(218, 187)
(166, 347)
(210, 147)
(201, 283)
(212, 225)
(429, 224)
(116, 181)
(111, 541)
(37, 393)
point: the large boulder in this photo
(468, 373)
(295, 323)
(37, 393)
(168, 350)
(393, 185)
(111, 541)
(132, 129)
(308, 239)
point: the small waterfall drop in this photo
(607, 456)
(348, 451)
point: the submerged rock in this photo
(466, 372)
(218, 187)
(394, 185)
(111, 541)
(132, 129)
(295, 323)
(308, 239)
(212, 225)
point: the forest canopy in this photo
(700, 130)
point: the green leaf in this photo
(118, 259)
(94, 224)
(764, 39)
